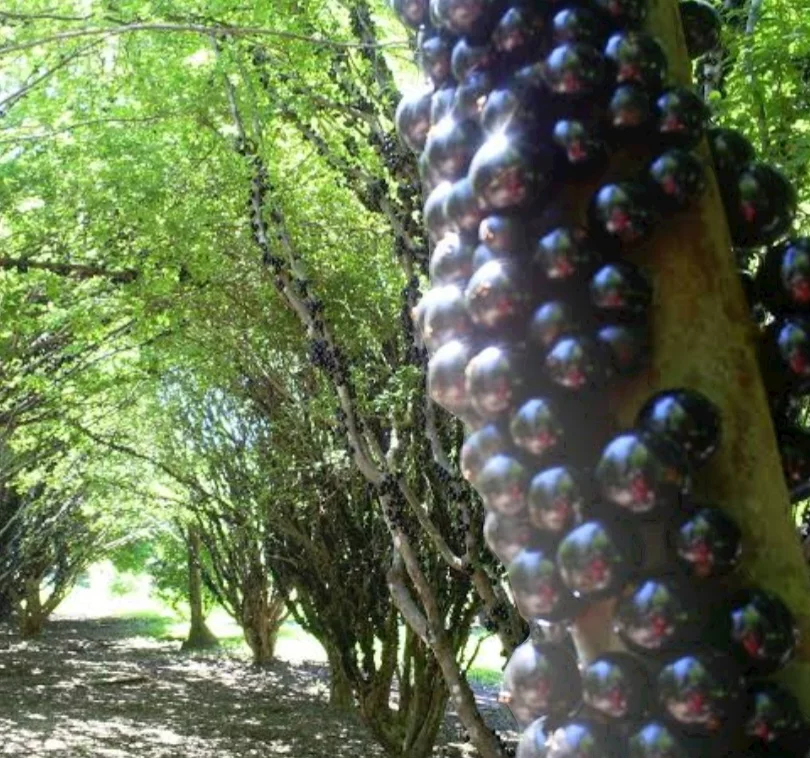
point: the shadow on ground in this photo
(97, 688)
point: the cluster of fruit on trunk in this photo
(530, 315)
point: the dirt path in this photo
(91, 688)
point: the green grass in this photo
(100, 597)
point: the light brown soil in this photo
(95, 688)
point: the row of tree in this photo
(210, 252)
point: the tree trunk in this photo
(341, 694)
(32, 616)
(200, 636)
(704, 338)
(262, 616)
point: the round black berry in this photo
(593, 560)
(678, 178)
(642, 472)
(707, 543)
(556, 500)
(689, 419)
(536, 585)
(623, 212)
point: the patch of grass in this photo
(484, 677)
(151, 624)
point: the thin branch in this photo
(75, 270)
(201, 29)
(66, 60)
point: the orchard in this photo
(417, 323)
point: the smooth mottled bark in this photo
(703, 337)
(200, 636)
(32, 614)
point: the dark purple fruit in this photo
(497, 295)
(701, 27)
(658, 616)
(763, 631)
(536, 427)
(451, 261)
(479, 447)
(483, 255)
(494, 380)
(550, 321)
(731, 152)
(412, 13)
(793, 341)
(447, 383)
(630, 110)
(503, 484)
(472, 94)
(519, 34)
(536, 585)
(774, 713)
(623, 13)
(623, 212)
(701, 693)
(505, 235)
(577, 24)
(468, 58)
(576, 362)
(681, 117)
(707, 543)
(689, 419)
(636, 58)
(582, 146)
(565, 255)
(760, 205)
(616, 686)
(513, 109)
(574, 69)
(450, 147)
(506, 536)
(593, 561)
(655, 740)
(434, 214)
(507, 172)
(556, 500)
(678, 178)
(445, 317)
(541, 679)
(620, 292)
(441, 104)
(470, 18)
(641, 472)
(413, 118)
(785, 276)
(435, 53)
(583, 738)
(627, 346)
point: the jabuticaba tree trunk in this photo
(199, 637)
(704, 338)
(341, 693)
(261, 618)
(32, 615)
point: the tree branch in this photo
(75, 270)
(200, 29)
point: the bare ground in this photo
(94, 687)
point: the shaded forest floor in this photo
(106, 688)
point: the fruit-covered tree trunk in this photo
(199, 635)
(703, 337)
